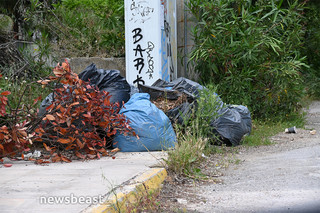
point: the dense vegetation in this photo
(312, 48)
(254, 51)
(73, 27)
(259, 53)
(62, 29)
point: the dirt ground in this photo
(282, 177)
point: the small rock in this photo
(27, 156)
(313, 132)
(36, 154)
(204, 156)
(182, 201)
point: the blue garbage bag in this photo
(151, 125)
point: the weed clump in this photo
(195, 135)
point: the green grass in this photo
(194, 137)
(187, 155)
(262, 130)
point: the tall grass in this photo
(194, 135)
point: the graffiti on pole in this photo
(140, 11)
(150, 41)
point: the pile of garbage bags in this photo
(151, 124)
(231, 123)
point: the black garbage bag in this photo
(164, 89)
(133, 90)
(182, 113)
(44, 104)
(245, 116)
(232, 123)
(108, 80)
(187, 86)
(173, 91)
(182, 85)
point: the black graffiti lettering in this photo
(140, 11)
(169, 51)
(147, 11)
(171, 69)
(133, 7)
(137, 35)
(150, 59)
(138, 49)
(139, 62)
(138, 80)
(150, 46)
(166, 28)
(151, 63)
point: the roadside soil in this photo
(282, 177)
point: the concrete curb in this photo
(129, 193)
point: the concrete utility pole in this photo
(151, 41)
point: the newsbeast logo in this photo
(71, 199)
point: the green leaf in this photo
(268, 14)
(280, 3)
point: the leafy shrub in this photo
(79, 28)
(19, 106)
(3, 101)
(15, 136)
(312, 48)
(80, 121)
(251, 52)
(77, 117)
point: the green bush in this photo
(251, 52)
(195, 136)
(312, 48)
(207, 106)
(80, 27)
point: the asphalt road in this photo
(287, 181)
(284, 177)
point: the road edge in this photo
(142, 185)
